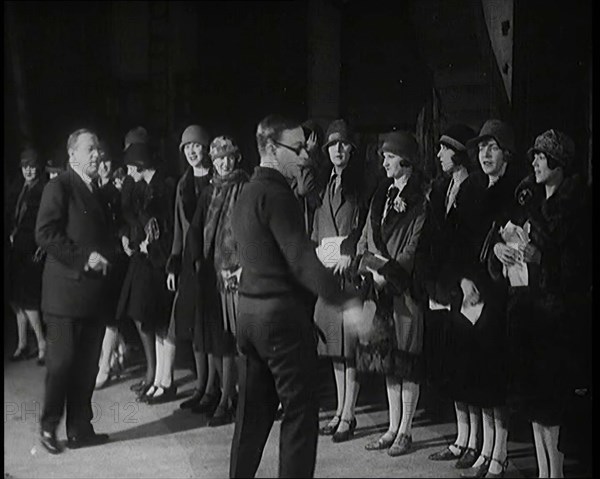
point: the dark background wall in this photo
(90, 64)
(385, 82)
(553, 73)
(226, 64)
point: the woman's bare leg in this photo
(148, 343)
(556, 458)
(474, 427)
(488, 436)
(36, 324)
(500, 451)
(540, 451)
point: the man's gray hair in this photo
(73, 137)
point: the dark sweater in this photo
(276, 255)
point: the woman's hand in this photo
(38, 256)
(471, 294)
(311, 142)
(530, 253)
(125, 243)
(144, 246)
(231, 279)
(506, 254)
(378, 279)
(171, 283)
(342, 264)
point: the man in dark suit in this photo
(73, 228)
(275, 334)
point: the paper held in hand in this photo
(513, 235)
(328, 251)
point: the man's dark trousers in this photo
(278, 362)
(73, 351)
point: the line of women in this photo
(181, 280)
(477, 282)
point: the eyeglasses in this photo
(297, 150)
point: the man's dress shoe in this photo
(50, 443)
(77, 442)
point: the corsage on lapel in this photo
(399, 204)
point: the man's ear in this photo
(271, 148)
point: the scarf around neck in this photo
(218, 233)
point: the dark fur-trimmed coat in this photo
(549, 322)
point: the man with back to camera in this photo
(73, 228)
(276, 336)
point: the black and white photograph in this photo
(308, 238)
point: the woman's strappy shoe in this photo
(447, 455)
(402, 445)
(380, 443)
(503, 468)
(168, 394)
(342, 436)
(330, 428)
(479, 471)
(208, 403)
(140, 386)
(145, 395)
(468, 458)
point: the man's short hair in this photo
(73, 137)
(271, 127)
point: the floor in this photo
(163, 441)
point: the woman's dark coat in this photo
(180, 261)
(210, 333)
(449, 245)
(549, 321)
(144, 296)
(25, 266)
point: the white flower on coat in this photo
(400, 204)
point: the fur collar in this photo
(551, 214)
